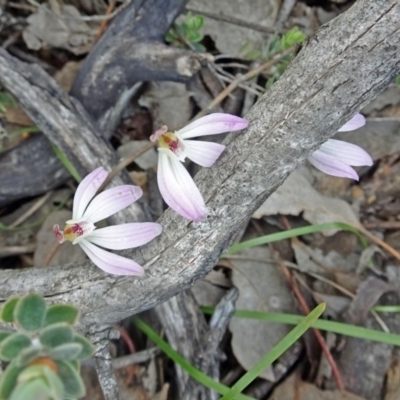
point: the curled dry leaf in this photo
(65, 30)
(297, 196)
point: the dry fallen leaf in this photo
(65, 30)
(262, 287)
(297, 196)
(393, 382)
(293, 388)
(65, 77)
(229, 38)
(169, 103)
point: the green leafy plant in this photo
(279, 44)
(187, 33)
(44, 353)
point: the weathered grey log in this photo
(207, 354)
(130, 51)
(339, 70)
(28, 170)
(185, 328)
(63, 118)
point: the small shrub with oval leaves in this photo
(44, 352)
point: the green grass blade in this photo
(67, 164)
(189, 368)
(330, 326)
(274, 353)
(391, 309)
(25, 129)
(274, 237)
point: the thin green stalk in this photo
(274, 237)
(184, 364)
(330, 326)
(391, 309)
(67, 164)
(274, 353)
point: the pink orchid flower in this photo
(81, 228)
(336, 157)
(175, 183)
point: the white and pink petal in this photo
(332, 166)
(203, 153)
(86, 191)
(355, 123)
(111, 201)
(213, 124)
(109, 262)
(347, 153)
(178, 188)
(125, 236)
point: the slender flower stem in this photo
(124, 163)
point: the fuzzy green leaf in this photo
(61, 313)
(30, 312)
(56, 335)
(71, 379)
(194, 22)
(9, 379)
(87, 347)
(34, 389)
(67, 352)
(4, 335)
(76, 364)
(7, 311)
(27, 355)
(13, 345)
(53, 384)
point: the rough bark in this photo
(339, 70)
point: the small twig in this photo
(306, 309)
(348, 293)
(124, 163)
(242, 86)
(126, 338)
(379, 242)
(25, 7)
(320, 338)
(245, 85)
(135, 358)
(242, 78)
(105, 17)
(17, 250)
(31, 210)
(234, 21)
(104, 23)
(233, 65)
(382, 225)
